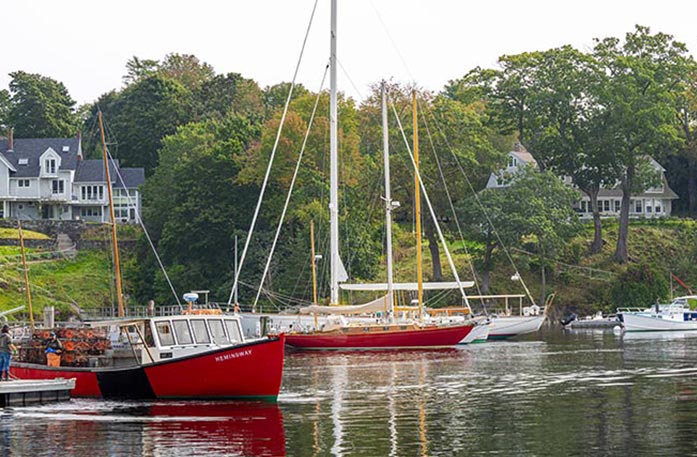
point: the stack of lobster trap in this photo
(80, 345)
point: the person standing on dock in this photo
(54, 349)
(6, 350)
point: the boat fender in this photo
(534, 310)
(526, 311)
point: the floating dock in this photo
(24, 392)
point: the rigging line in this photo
(290, 189)
(132, 203)
(430, 207)
(484, 211)
(273, 154)
(392, 42)
(452, 209)
(349, 78)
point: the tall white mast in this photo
(388, 196)
(334, 165)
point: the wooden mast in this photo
(117, 263)
(26, 275)
(417, 208)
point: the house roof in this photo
(132, 178)
(93, 171)
(667, 193)
(32, 149)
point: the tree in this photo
(193, 207)
(642, 78)
(4, 109)
(140, 116)
(40, 107)
(537, 207)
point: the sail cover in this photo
(408, 286)
(378, 305)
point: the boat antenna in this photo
(115, 246)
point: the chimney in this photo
(79, 145)
(10, 141)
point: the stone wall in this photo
(51, 228)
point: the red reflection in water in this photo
(233, 428)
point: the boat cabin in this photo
(153, 339)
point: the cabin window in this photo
(200, 332)
(147, 334)
(217, 331)
(164, 333)
(233, 331)
(182, 332)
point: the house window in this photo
(648, 209)
(58, 186)
(91, 211)
(606, 204)
(511, 162)
(617, 206)
(658, 208)
(92, 192)
(583, 206)
(23, 183)
(637, 206)
(50, 166)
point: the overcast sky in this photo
(85, 44)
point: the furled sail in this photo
(378, 305)
(407, 286)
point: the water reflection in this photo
(83, 428)
(580, 393)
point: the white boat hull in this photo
(479, 334)
(655, 323)
(512, 326)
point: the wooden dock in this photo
(24, 392)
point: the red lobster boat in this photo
(372, 336)
(188, 356)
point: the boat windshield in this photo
(182, 332)
(217, 331)
(233, 330)
(164, 333)
(200, 332)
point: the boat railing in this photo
(631, 310)
(504, 305)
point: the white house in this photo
(47, 178)
(654, 202)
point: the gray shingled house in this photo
(47, 178)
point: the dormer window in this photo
(512, 162)
(50, 166)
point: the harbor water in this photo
(561, 394)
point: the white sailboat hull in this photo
(512, 326)
(479, 334)
(656, 322)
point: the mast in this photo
(388, 196)
(314, 268)
(26, 275)
(114, 243)
(417, 207)
(334, 165)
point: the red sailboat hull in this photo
(250, 370)
(408, 338)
